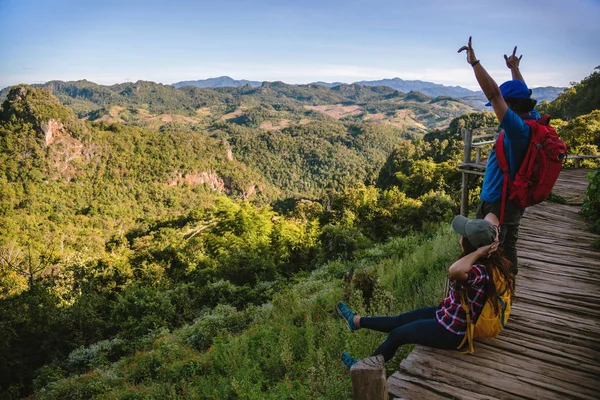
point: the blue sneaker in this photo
(348, 361)
(348, 315)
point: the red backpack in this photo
(540, 167)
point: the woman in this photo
(444, 326)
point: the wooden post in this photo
(368, 379)
(464, 198)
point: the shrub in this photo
(591, 202)
(142, 309)
(340, 243)
(436, 207)
(205, 328)
(98, 354)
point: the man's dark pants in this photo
(509, 233)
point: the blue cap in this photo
(514, 89)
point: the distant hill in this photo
(272, 105)
(328, 84)
(428, 88)
(474, 98)
(222, 81)
(548, 93)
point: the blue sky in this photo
(108, 41)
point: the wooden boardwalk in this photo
(551, 346)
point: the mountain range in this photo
(272, 105)
(475, 98)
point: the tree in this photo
(30, 263)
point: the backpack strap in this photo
(503, 164)
(464, 303)
(544, 119)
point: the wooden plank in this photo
(575, 358)
(468, 171)
(581, 157)
(522, 365)
(483, 144)
(409, 387)
(557, 317)
(430, 369)
(477, 378)
(471, 165)
(578, 355)
(518, 370)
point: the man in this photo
(512, 104)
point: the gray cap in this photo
(480, 232)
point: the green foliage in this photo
(340, 243)
(582, 136)
(38, 107)
(436, 208)
(554, 198)
(580, 99)
(411, 167)
(141, 309)
(96, 355)
(306, 160)
(222, 319)
(484, 119)
(591, 202)
(288, 348)
(582, 130)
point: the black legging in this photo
(509, 234)
(415, 327)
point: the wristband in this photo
(475, 63)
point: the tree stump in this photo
(368, 379)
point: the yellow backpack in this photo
(490, 323)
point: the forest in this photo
(192, 243)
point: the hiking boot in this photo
(348, 361)
(348, 315)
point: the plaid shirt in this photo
(450, 313)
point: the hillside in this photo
(114, 232)
(580, 99)
(155, 105)
(303, 139)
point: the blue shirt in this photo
(516, 139)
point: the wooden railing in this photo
(481, 140)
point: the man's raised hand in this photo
(513, 61)
(471, 59)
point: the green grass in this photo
(290, 347)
